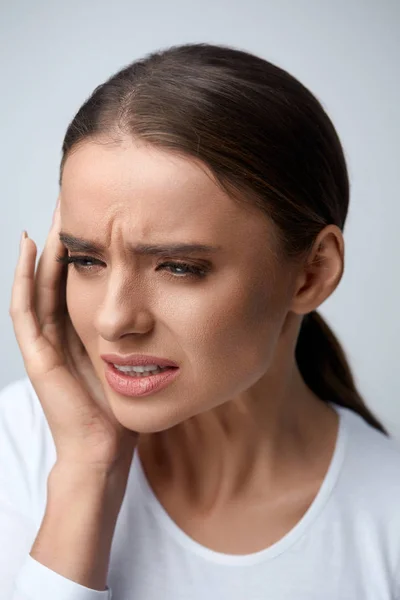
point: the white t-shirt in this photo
(346, 546)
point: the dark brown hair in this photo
(268, 142)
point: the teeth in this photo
(140, 369)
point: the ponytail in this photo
(324, 368)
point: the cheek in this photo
(229, 349)
(80, 309)
(239, 331)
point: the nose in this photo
(124, 310)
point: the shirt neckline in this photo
(278, 547)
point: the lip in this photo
(139, 386)
(137, 359)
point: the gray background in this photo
(53, 54)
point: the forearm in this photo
(76, 533)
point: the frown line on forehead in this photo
(77, 244)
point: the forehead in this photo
(132, 171)
(151, 191)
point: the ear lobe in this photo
(322, 271)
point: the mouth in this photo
(131, 371)
(138, 360)
(134, 384)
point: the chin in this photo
(144, 415)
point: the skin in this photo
(237, 437)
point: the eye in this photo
(80, 262)
(86, 263)
(189, 270)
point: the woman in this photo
(203, 196)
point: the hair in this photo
(267, 141)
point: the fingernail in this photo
(23, 237)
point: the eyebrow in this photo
(76, 244)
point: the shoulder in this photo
(368, 444)
(27, 450)
(17, 408)
(371, 462)
(20, 410)
(22, 418)
(366, 496)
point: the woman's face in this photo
(221, 329)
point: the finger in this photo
(49, 297)
(35, 349)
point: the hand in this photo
(83, 427)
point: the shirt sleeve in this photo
(21, 576)
(34, 581)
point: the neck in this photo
(246, 450)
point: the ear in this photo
(321, 272)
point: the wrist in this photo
(76, 533)
(101, 485)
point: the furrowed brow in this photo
(75, 244)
